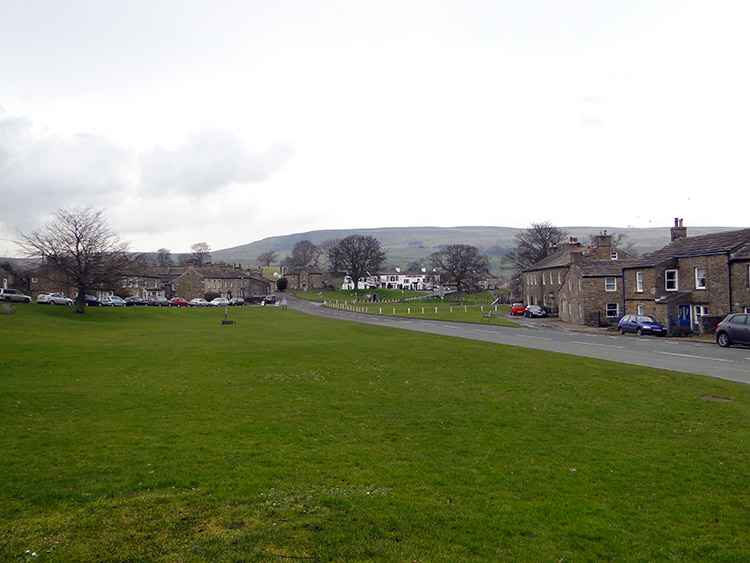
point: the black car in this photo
(534, 311)
(734, 329)
(132, 301)
(159, 302)
(91, 301)
(236, 302)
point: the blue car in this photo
(641, 324)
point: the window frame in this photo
(608, 307)
(676, 280)
(639, 281)
(698, 279)
(610, 287)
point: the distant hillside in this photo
(405, 245)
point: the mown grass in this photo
(161, 435)
(468, 308)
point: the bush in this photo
(682, 331)
(282, 284)
(211, 295)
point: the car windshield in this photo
(645, 319)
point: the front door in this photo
(684, 315)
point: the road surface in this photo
(703, 358)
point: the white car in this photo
(14, 295)
(219, 302)
(54, 299)
(199, 302)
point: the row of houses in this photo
(142, 280)
(679, 284)
(413, 281)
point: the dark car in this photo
(91, 301)
(236, 302)
(179, 302)
(135, 301)
(268, 300)
(159, 302)
(534, 311)
(734, 329)
(641, 324)
(517, 309)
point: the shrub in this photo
(282, 284)
(681, 331)
(211, 295)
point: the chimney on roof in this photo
(603, 240)
(678, 231)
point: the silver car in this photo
(14, 295)
(54, 299)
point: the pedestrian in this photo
(283, 303)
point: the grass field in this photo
(146, 434)
(468, 308)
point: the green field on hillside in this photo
(142, 434)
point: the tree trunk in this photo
(81, 300)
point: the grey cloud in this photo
(207, 162)
(41, 172)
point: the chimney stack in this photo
(678, 231)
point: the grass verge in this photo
(161, 435)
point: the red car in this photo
(179, 302)
(517, 309)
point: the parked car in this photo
(199, 302)
(14, 295)
(517, 309)
(219, 302)
(54, 299)
(135, 302)
(91, 301)
(236, 302)
(534, 311)
(734, 329)
(113, 301)
(159, 302)
(641, 324)
(268, 300)
(179, 302)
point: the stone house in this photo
(592, 291)
(549, 279)
(304, 279)
(226, 281)
(690, 278)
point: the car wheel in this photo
(622, 330)
(639, 332)
(722, 339)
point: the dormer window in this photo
(613, 255)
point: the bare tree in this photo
(267, 258)
(81, 248)
(163, 257)
(303, 254)
(200, 253)
(358, 255)
(328, 250)
(463, 264)
(534, 244)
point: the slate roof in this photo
(735, 243)
(556, 260)
(602, 268)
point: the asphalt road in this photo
(703, 358)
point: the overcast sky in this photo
(231, 121)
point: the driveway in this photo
(702, 358)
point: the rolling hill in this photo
(405, 245)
